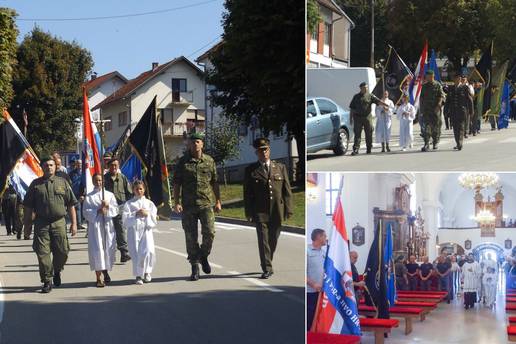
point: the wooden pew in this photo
(511, 333)
(421, 298)
(509, 308)
(426, 306)
(407, 313)
(512, 320)
(330, 338)
(378, 326)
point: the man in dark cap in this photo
(47, 201)
(195, 180)
(267, 200)
(360, 108)
(431, 99)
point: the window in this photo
(332, 190)
(167, 115)
(310, 109)
(178, 86)
(325, 106)
(122, 119)
(327, 38)
(109, 124)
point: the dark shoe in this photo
(266, 274)
(455, 148)
(465, 136)
(474, 134)
(47, 287)
(107, 278)
(195, 272)
(57, 279)
(435, 146)
(18, 236)
(459, 148)
(125, 258)
(368, 151)
(425, 148)
(387, 147)
(354, 153)
(206, 268)
(383, 147)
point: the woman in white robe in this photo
(384, 121)
(406, 113)
(101, 232)
(140, 217)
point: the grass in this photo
(236, 209)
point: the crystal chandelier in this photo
(485, 218)
(477, 181)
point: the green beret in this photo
(429, 72)
(261, 142)
(108, 155)
(196, 136)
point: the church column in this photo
(430, 214)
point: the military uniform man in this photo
(459, 105)
(431, 99)
(10, 201)
(360, 107)
(268, 201)
(48, 199)
(117, 183)
(195, 180)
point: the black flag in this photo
(147, 142)
(484, 68)
(396, 75)
(375, 276)
(12, 147)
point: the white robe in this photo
(406, 123)
(489, 281)
(383, 122)
(471, 273)
(140, 240)
(101, 232)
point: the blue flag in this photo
(505, 110)
(389, 266)
(132, 168)
(432, 65)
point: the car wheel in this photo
(342, 143)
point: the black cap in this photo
(363, 84)
(261, 142)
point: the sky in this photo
(128, 45)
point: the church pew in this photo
(407, 313)
(422, 292)
(512, 320)
(509, 308)
(421, 298)
(330, 338)
(511, 333)
(378, 326)
(426, 306)
(510, 300)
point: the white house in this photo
(100, 87)
(330, 44)
(281, 149)
(179, 87)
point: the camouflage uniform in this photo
(120, 187)
(431, 99)
(362, 118)
(49, 199)
(195, 177)
(460, 105)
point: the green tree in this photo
(260, 68)
(312, 15)
(502, 20)
(223, 143)
(47, 84)
(8, 45)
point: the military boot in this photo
(206, 268)
(195, 272)
(387, 147)
(383, 147)
(425, 148)
(47, 287)
(436, 145)
(57, 279)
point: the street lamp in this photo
(78, 134)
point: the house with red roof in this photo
(100, 87)
(180, 90)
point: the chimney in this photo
(93, 76)
(155, 65)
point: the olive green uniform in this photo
(11, 205)
(362, 118)
(49, 199)
(431, 99)
(119, 186)
(196, 177)
(268, 201)
(459, 105)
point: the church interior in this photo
(454, 215)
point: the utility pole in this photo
(372, 33)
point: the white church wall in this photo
(460, 236)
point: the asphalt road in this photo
(232, 305)
(489, 151)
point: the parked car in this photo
(328, 126)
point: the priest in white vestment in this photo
(470, 276)
(406, 114)
(139, 216)
(384, 121)
(98, 210)
(489, 280)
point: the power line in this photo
(119, 16)
(204, 46)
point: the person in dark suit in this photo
(268, 201)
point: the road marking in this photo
(509, 140)
(235, 226)
(479, 140)
(248, 279)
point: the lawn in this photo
(233, 192)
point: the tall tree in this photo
(260, 68)
(501, 18)
(223, 143)
(8, 45)
(313, 16)
(47, 84)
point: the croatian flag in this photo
(337, 307)
(91, 146)
(24, 172)
(419, 77)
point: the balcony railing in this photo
(182, 97)
(177, 129)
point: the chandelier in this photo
(485, 218)
(477, 181)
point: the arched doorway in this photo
(451, 248)
(481, 251)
